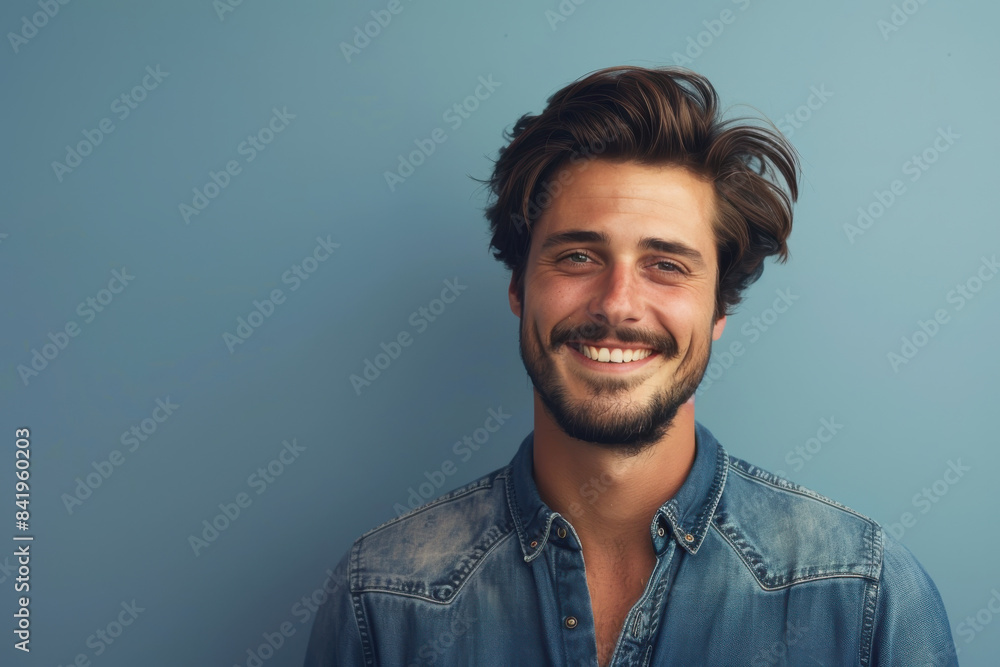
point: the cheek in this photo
(557, 302)
(682, 317)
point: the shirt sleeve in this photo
(910, 624)
(336, 639)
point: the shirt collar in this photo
(686, 516)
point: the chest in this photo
(612, 595)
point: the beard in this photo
(612, 417)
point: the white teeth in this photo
(613, 355)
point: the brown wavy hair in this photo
(652, 116)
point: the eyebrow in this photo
(646, 243)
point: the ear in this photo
(720, 325)
(515, 302)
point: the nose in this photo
(616, 296)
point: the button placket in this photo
(572, 600)
(635, 641)
(635, 623)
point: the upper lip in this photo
(611, 344)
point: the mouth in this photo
(612, 355)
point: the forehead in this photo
(628, 200)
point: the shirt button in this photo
(689, 537)
(561, 532)
(660, 531)
(533, 544)
(571, 622)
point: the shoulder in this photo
(431, 551)
(909, 622)
(787, 533)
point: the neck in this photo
(607, 496)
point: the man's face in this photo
(623, 259)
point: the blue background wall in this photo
(892, 77)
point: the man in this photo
(622, 533)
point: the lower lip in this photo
(611, 366)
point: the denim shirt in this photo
(751, 569)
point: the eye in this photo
(577, 253)
(669, 267)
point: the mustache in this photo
(592, 332)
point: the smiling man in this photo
(632, 217)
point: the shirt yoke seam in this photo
(484, 484)
(801, 491)
(489, 552)
(806, 579)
